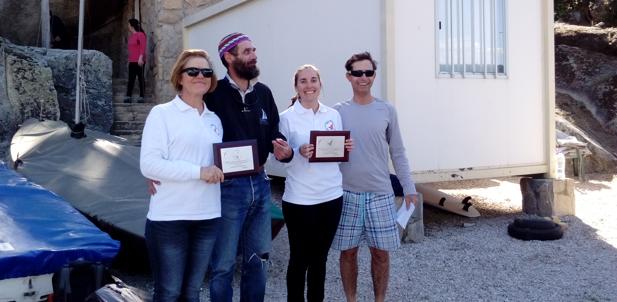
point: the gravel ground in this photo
(481, 262)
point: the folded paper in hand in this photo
(403, 214)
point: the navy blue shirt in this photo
(255, 118)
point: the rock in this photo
(591, 78)
(603, 40)
(21, 94)
(574, 119)
(30, 89)
(42, 67)
(600, 25)
(97, 73)
(7, 120)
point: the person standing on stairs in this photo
(137, 57)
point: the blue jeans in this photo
(179, 253)
(245, 227)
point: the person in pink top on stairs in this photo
(137, 57)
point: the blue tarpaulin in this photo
(40, 232)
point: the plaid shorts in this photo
(368, 216)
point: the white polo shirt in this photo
(309, 183)
(176, 143)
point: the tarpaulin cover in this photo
(40, 232)
(99, 174)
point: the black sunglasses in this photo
(359, 73)
(194, 72)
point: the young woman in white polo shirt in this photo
(176, 149)
(312, 200)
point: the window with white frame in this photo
(471, 38)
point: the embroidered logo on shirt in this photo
(264, 118)
(329, 125)
(216, 129)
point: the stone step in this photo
(119, 88)
(132, 139)
(121, 82)
(126, 132)
(122, 89)
(119, 98)
(127, 125)
(133, 106)
(128, 116)
(131, 112)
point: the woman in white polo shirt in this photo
(312, 200)
(176, 149)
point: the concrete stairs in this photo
(129, 118)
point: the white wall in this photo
(289, 33)
(469, 127)
(451, 124)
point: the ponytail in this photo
(294, 99)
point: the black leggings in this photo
(311, 230)
(135, 71)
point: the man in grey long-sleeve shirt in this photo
(368, 199)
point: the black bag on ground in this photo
(118, 292)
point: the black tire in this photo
(541, 224)
(535, 229)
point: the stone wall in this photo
(164, 19)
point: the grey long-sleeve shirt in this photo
(376, 134)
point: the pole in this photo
(45, 31)
(80, 39)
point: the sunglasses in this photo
(359, 73)
(194, 72)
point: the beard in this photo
(244, 70)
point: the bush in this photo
(573, 11)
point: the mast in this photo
(80, 39)
(45, 31)
(78, 128)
